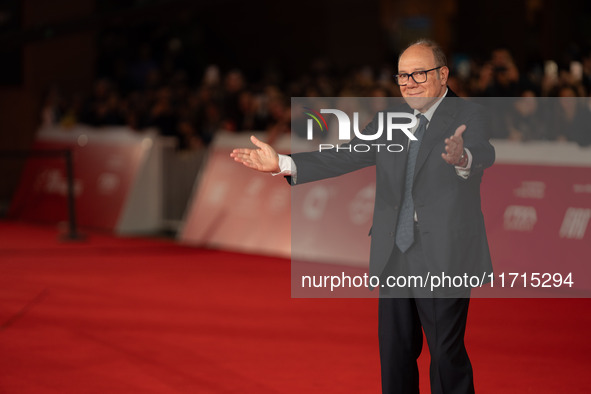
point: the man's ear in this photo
(444, 74)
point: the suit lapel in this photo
(436, 132)
(398, 160)
(395, 163)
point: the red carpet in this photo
(148, 316)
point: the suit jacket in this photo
(447, 206)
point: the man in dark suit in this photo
(427, 219)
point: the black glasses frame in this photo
(412, 75)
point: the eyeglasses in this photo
(417, 76)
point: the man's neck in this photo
(433, 107)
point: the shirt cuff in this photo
(464, 172)
(287, 167)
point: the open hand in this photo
(454, 146)
(263, 159)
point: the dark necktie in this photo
(404, 229)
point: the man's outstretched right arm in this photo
(313, 165)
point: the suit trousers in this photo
(401, 322)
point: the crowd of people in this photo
(153, 92)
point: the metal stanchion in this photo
(72, 233)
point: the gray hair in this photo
(438, 54)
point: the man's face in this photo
(421, 96)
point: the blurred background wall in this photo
(42, 44)
(65, 47)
